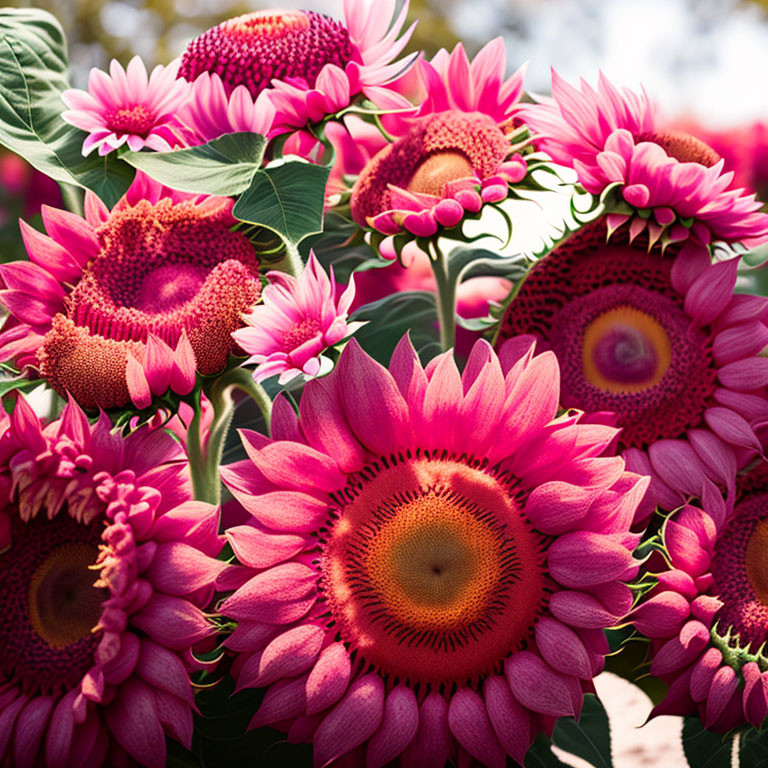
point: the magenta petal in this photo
(284, 700)
(8, 716)
(732, 428)
(287, 655)
(704, 672)
(581, 610)
(164, 670)
(179, 569)
(711, 291)
(556, 507)
(325, 424)
(30, 728)
(745, 375)
(537, 686)
(469, 722)
(258, 549)
(662, 615)
(60, 729)
(562, 648)
(173, 622)
(431, 746)
(278, 596)
(375, 409)
(354, 720)
(329, 678)
(398, 727)
(176, 717)
(132, 718)
(724, 683)
(296, 466)
(680, 651)
(288, 511)
(583, 558)
(511, 721)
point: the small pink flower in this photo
(129, 108)
(611, 137)
(297, 321)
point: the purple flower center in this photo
(624, 354)
(168, 287)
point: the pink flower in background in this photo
(707, 616)
(611, 137)
(211, 111)
(664, 344)
(298, 319)
(313, 65)
(420, 577)
(354, 142)
(450, 82)
(122, 305)
(107, 566)
(129, 108)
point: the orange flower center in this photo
(431, 571)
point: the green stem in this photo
(204, 461)
(291, 262)
(446, 299)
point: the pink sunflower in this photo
(670, 184)
(123, 305)
(663, 344)
(447, 166)
(298, 320)
(707, 616)
(314, 66)
(431, 559)
(107, 566)
(129, 108)
(211, 112)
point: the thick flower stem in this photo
(204, 460)
(446, 299)
(292, 262)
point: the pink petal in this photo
(536, 686)
(431, 745)
(328, 679)
(354, 720)
(469, 722)
(133, 720)
(511, 721)
(398, 727)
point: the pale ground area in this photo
(655, 744)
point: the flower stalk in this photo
(205, 459)
(446, 298)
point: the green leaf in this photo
(704, 749)
(33, 75)
(753, 750)
(286, 198)
(589, 737)
(224, 166)
(393, 316)
(18, 384)
(465, 262)
(540, 755)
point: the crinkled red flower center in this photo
(740, 571)
(48, 602)
(621, 336)
(137, 120)
(301, 332)
(255, 48)
(431, 571)
(162, 269)
(443, 147)
(683, 147)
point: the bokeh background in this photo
(704, 62)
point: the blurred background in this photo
(704, 62)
